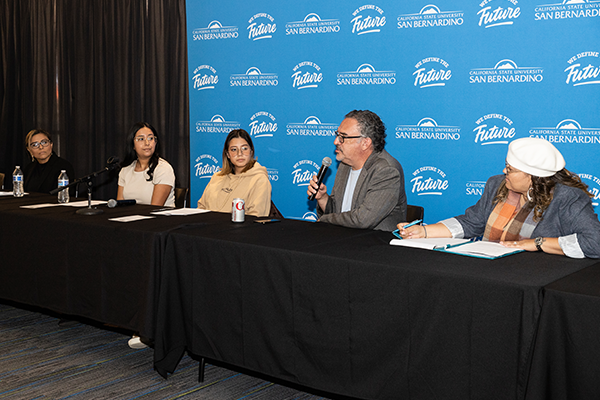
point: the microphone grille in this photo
(327, 162)
(112, 203)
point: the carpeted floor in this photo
(41, 360)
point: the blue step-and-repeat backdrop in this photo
(454, 82)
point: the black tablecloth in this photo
(82, 265)
(341, 310)
(567, 351)
(327, 307)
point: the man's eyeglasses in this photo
(42, 143)
(142, 139)
(341, 137)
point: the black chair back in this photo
(414, 212)
(274, 212)
(181, 197)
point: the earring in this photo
(529, 198)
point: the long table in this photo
(343, 311)
(80, 265)
(327, 307)
(565, 360)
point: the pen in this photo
(397, 231)
(416, 221)
(449, 246)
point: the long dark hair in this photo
(131, 155)
(542, 190)
(227, 164)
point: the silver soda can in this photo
(238, 211)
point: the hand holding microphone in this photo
(326, 163)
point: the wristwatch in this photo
(538, 243)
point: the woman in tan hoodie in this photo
(241, 177)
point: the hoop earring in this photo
(529, 198)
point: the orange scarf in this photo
(506, 220)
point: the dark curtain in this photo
(87, 71)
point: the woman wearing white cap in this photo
(537, 205)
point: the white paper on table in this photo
(131, 218)
(428, 244)
(466, 247)
(34, 206)
(3, 193)
(82, 203)
(180, 211)
(484, 249)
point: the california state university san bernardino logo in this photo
(427, 129)
(217, 124)
(254, 77)
(312, 126)
(506, 71)
(312, 24)
(567, 10)
(214, 31)
(567, 131)
(430, 16)
(366, 74)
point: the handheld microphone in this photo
(324, 165)
(112, 203)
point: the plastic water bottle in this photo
(63, 180)
(18, 182)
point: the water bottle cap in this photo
(17, 166)
(63, 170)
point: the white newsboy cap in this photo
(537, 157)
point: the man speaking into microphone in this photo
(368, 191)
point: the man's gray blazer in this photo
(379, 200)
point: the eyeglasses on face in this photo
(42, 143)
(509, 169)
(236, 150)
(342, 136)
(142, 139)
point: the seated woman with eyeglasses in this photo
(537, 205)
(146, 177)
(241, 177)
(41, 175)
